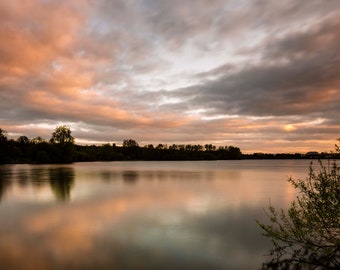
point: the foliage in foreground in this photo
(308, 234)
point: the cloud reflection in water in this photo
(178, 217)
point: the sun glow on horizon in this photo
(289, 128)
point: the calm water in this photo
(140, 215)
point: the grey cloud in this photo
(176, 23)
(302, 85)
(320, 39)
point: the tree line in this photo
(60, 148)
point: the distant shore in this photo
(160, 155)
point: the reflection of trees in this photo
(61, 181)
(5, 180)
(130, 176)
(39, 177)
(23, 178)
(3, 186)
(108, 176)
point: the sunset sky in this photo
(258, 74)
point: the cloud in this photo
(162, 71)
(283, 83)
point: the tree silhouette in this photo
(3, 146)
(3, 136)
(130, 143)
(23, 140)
(62, 135)
(64, 142)
(37, 140)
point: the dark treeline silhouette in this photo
(112, 152)
(308, 155)
(61, 149)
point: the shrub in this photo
(308, 234)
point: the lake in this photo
(140, 215)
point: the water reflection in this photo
(130, 177)
(3, 186)
(23, 178)
(136, 215)
(39, 176)
(5, 177)
(61, 182)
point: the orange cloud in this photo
(36, 32)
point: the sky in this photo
(257, 74)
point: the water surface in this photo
(140, 215)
